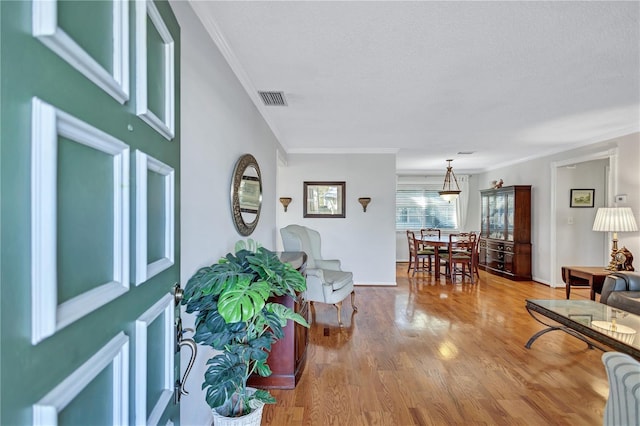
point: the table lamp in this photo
(614, 219)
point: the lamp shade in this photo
(449, 195)
(615, 219)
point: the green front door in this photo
(90, 154)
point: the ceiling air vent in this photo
(273, 98)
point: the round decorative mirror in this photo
(246, 194)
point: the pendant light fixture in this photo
(448, 192)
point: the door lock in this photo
(178, 293)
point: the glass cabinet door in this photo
(493, 216)
(509, 216)
(498, 231)
(484, 218)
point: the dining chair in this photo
(418, 254)
(460, 256)
(475, 252)
(431, 232)
(476, 258)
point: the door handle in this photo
(194, 350)
(179, 388)
(190, 343)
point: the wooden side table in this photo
(585, 276)
(289, 354)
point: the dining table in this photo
(437, 243)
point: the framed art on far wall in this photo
(324, 199)
(582, 198)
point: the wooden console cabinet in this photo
(505, 231)
(289, 354)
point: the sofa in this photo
(622, 290)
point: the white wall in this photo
(574, 225)
(219, 124)
(364, 242)
(537, 172)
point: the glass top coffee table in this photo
(592, 322)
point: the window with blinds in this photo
(422, 207)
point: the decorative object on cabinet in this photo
(505, 234)
(615, 219)
(448, 192)
(364, 201)
(246, 194)
(324, 199)
(582, 198)
(495, 184)
(235, 316)
(624, 260)
(288, 355)
(285, 201)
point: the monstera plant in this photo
(234, 315)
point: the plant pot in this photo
(254, 418)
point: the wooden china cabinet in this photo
(288, 355)
(505, 231)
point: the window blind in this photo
(420, 206)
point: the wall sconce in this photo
(365, 202)
(285, 202)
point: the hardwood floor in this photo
(433, 353)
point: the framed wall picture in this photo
(582, 198)
(324, 199)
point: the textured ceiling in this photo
(506, 80)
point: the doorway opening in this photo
(572, 240)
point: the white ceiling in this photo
(429, 79)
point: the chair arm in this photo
(315, 285)
(619, 281)
(316, 273)
(634, 280)
(332, 265)
(318, 290)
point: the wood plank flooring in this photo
(433, 353)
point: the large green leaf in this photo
(263, 369)
(243, 301)
(294, 279)
(258, 349)
(264, 396)
(284, 279)
(225, 383)
(213, 330)
(212, 280)
(224, 377)
(284, 314)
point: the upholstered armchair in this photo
(623, 403)
(621, 290)
(326, 282)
